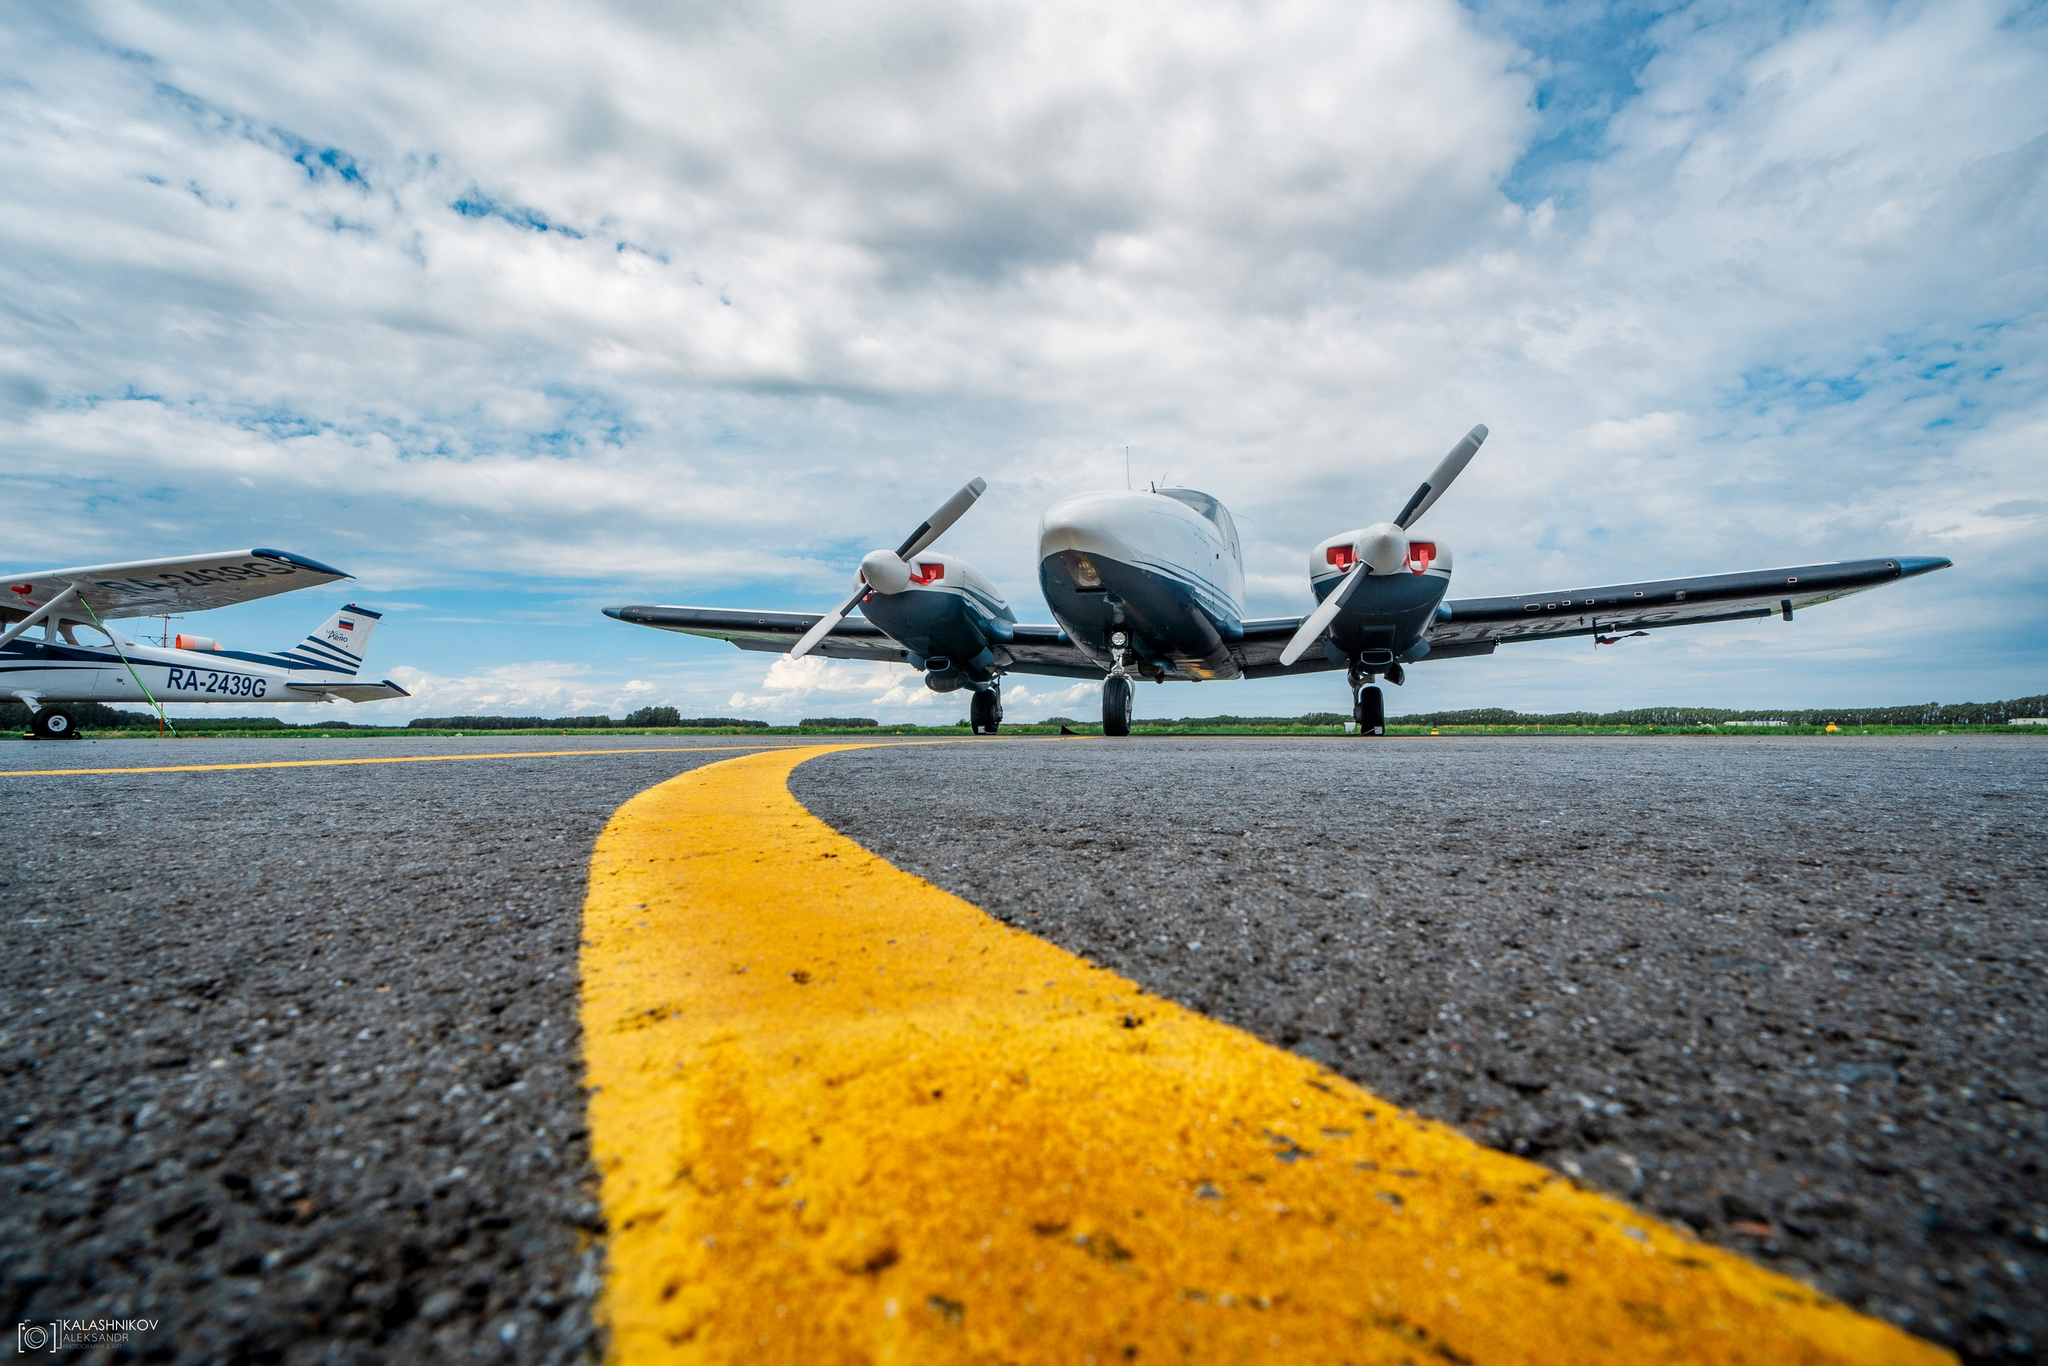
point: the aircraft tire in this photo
(1116, 706)
(54, 723)
(1371, 712)
(985, 713)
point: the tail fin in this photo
(339, 645)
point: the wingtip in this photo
(302, 562)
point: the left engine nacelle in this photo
(1329, 562)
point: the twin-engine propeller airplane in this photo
(1151, 585)
(77, 657)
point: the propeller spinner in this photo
(1383, 548)
(889, 571)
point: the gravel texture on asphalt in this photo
(1788, 992)
(290, 1057)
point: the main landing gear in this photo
(53, 723)
(1368, 703)
(1370, 711)
(985, 713)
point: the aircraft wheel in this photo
(1371, 712)
(1116, 706)
(985, 713)
(54, 723)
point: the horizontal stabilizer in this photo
(347, 692)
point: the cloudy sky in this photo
(515, 312)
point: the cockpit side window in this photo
(1224, 520)
(1212, 509)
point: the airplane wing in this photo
(1665, 602)
(188, 583)
(347, 692)
(774, 632)
(1475, 626)
(1031, 649)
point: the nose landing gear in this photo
(1116, 705)
(1116, 689)
(985, 713)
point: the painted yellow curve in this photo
(844, 1116)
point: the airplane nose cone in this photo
(1094, 523)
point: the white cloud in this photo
(675, 304)
(796, 685)
(1636, 434)
(541, 687)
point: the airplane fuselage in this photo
(55, 671)
(1164, 568)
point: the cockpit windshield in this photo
(1210, 508)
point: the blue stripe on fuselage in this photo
(1164, 605)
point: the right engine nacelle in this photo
(1329, 562)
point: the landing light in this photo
(1118, 638)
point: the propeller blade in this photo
(1320, 619)
(948, 513)
(825, 624)
(1440, 478)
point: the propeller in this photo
(889, 570)
(1383, 549)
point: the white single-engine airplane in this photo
(77, 657)
(1151, 585)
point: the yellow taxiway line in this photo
(395, 759)
(844, 1116)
